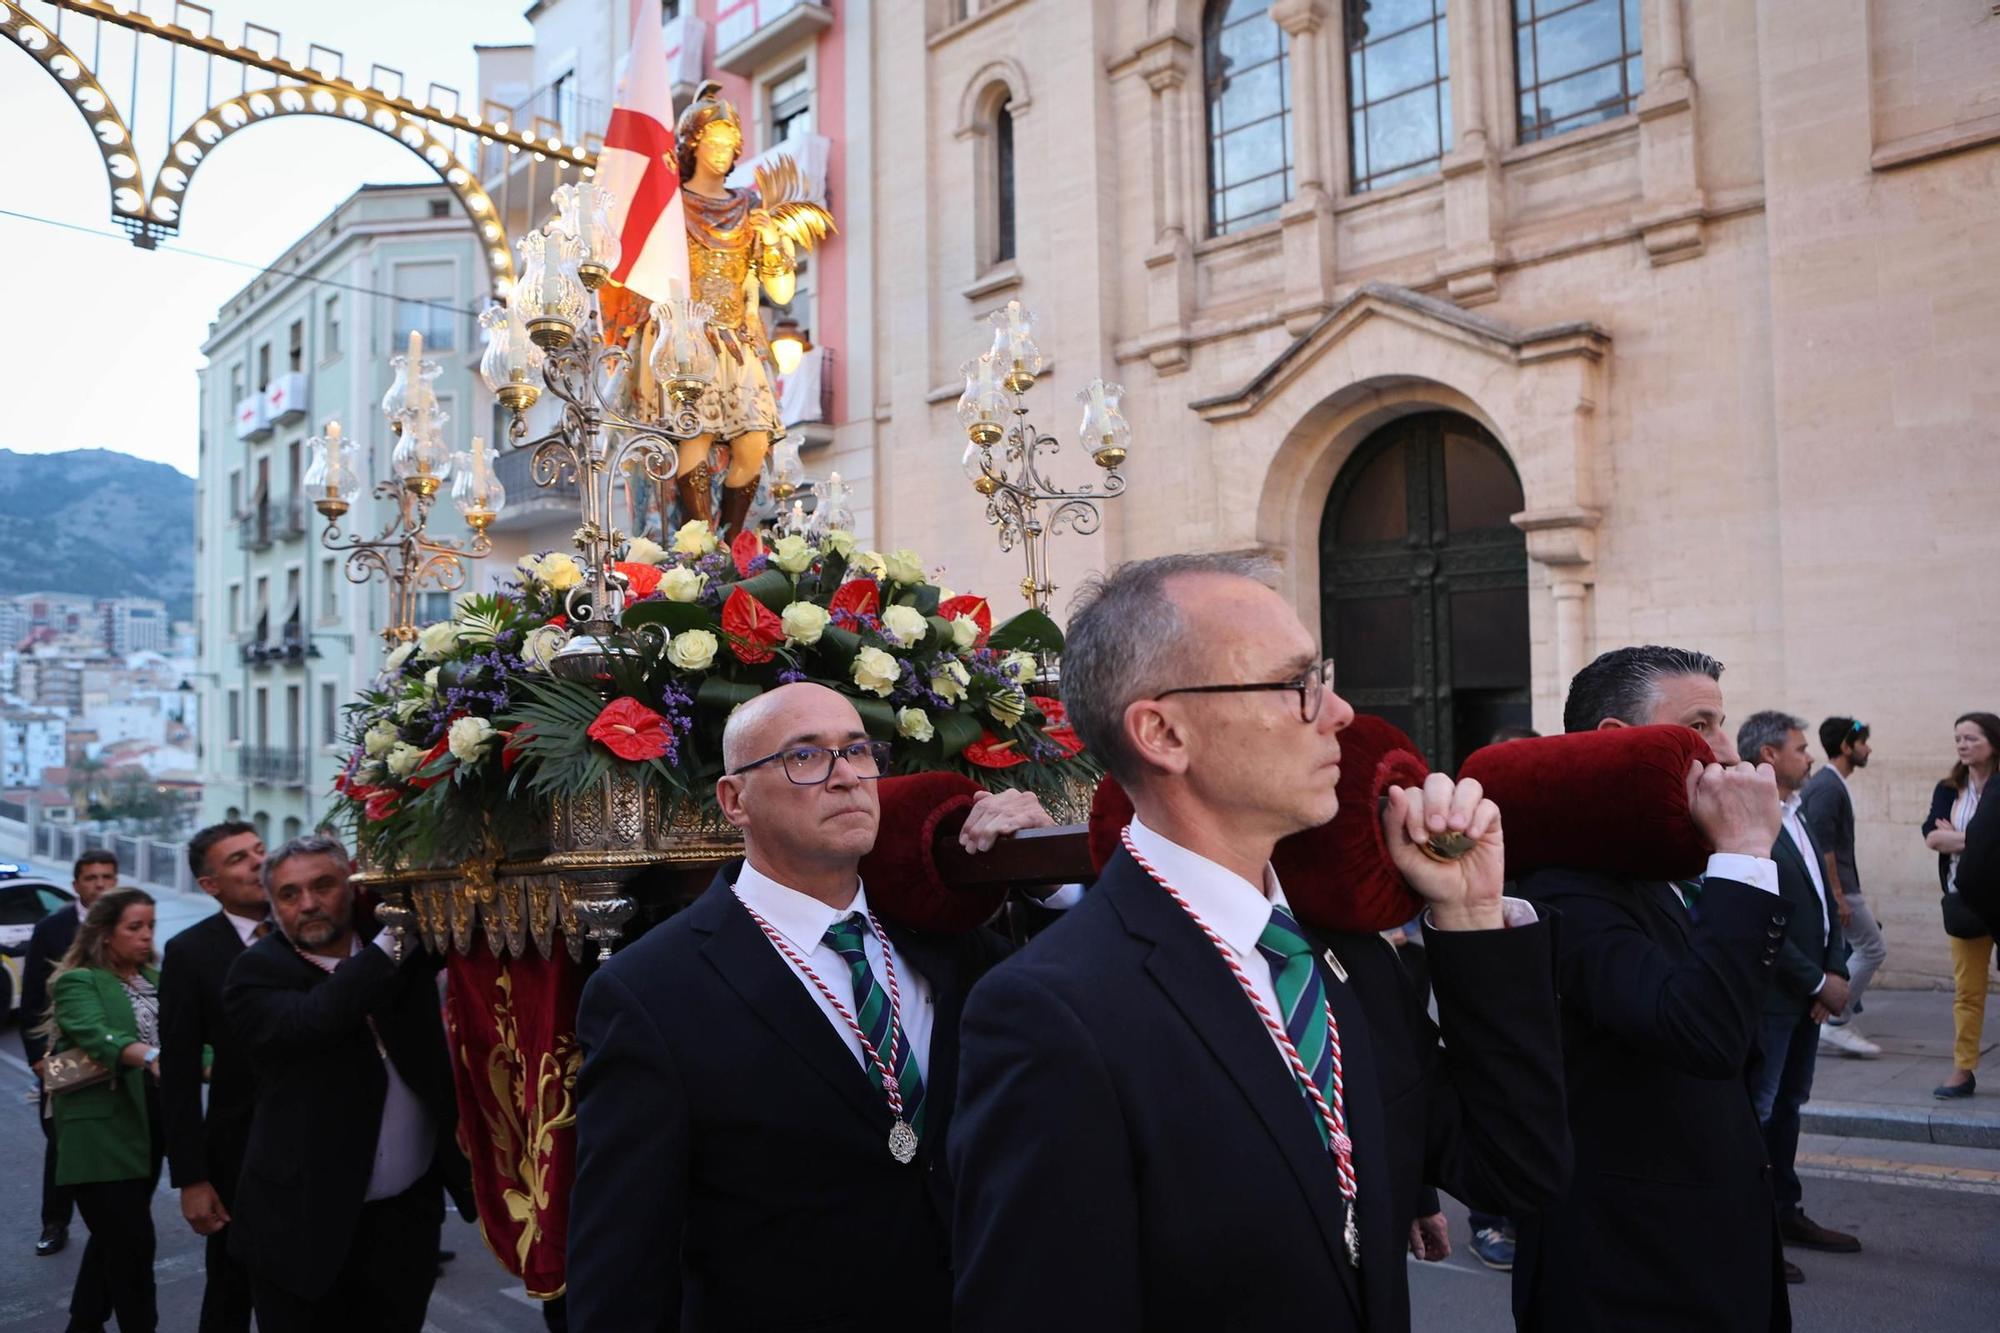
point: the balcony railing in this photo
(271, 764)
(271, 521)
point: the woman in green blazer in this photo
(109, 1138)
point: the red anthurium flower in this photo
(644, 580)
(559, 622)
(631, 730)
(1055, 725)
(857, 597)
(749, 544)
(965, 604)
(381, 802)
(752, 628)
(514, 747)
(989, 751)
(435, 753)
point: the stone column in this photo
(1166, 63)
(1669, 171)
(1564, 542)
(1473, 205)
(1307, 218)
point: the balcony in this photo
(271, 521)
(283, 765)
(252, 421)
(760, 30)
(285, 398)
(529, 505)
(289, 648)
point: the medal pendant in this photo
(1351, 1233)
(903, 1143)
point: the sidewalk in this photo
(1889, 1097)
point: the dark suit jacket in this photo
(1669, 1221)
(47, 943)
(1131, 1152)
(1961, 919)
(320, 1086)
(1813, 945)
(732, 1167)
(1979, 865)
(203, 1146)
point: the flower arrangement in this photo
(468, 732)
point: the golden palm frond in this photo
(783, 192)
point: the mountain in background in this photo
(98, 523)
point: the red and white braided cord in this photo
(891, 1086)
(1333, 1117)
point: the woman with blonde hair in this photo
(1977, 738)
(109, 1140)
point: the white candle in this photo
(332, 454)
(479, 465)
(415, 363)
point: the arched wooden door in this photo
(1424, 584)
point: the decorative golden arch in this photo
(233, 114)
(122, 172)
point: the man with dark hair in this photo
(1177, 1111)
(1810, 983)
(197, 1045)
(94, 873)
(1827, 806)
(1668, 1221)
(340, 1200)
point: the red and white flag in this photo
(638, 166)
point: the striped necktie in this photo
(1302, 1003)
(876, 1015)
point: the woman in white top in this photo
(1977, 736)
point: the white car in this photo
(24, 900)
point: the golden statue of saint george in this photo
(738, 239)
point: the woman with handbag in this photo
(104, 1030)
(1977, 737)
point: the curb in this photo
(1906, 1124)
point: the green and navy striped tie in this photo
(873, 1012)
(1302, 1000)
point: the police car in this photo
(25, 898)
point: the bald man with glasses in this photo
(768, 1077)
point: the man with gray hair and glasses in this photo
(1810, 982)
(353, 1141)
(1174, 1113)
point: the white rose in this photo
(378, 740)
(692, 650)
(964, 631)
(914, 723)
(369, 772)
(1019, 666)
(905, 566)
(560, 572)
(401, 655)
(694, 538)
(906, 623)
(410, 707)
(404, 759)
(468, 737)
(431, 681)
(804, 622)
(950, 680)
(876, 670)
(542, 645)
(793, 553)
(840, 541)
(436, 640)
(645, 551)
(531, 565)
(681, 584)
(871, 561)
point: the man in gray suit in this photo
(1828, 809)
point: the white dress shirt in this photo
(406, 1140)
(245, 927)
(1238, 910)
(1796, 826)
(803, 922)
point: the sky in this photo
(104, 341)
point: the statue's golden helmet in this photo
(708, 108)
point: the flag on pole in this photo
(639, 167)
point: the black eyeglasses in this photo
(1313, 687)
(810, 765)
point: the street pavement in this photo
(1895, 1172)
